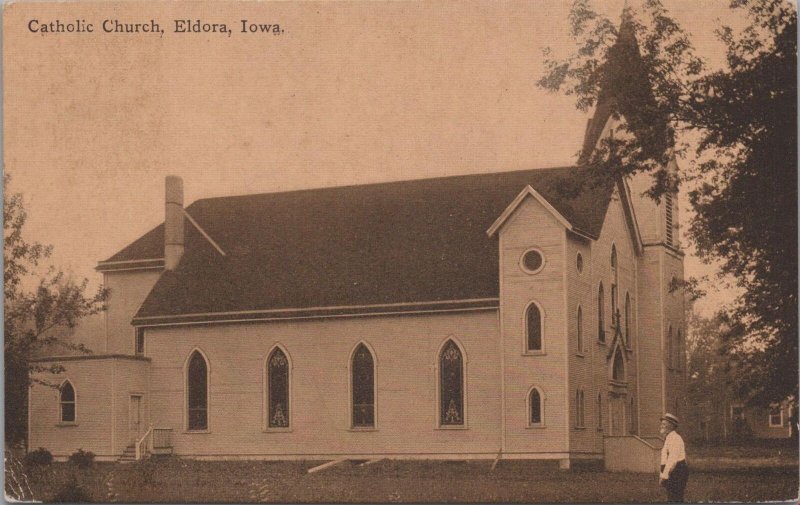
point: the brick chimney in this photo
(173, 222)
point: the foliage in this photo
(82, 459)
(35, 318)
(72, 492)
(738, 124)
(39, 457)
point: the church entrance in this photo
(618, 415)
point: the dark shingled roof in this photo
(399, 242)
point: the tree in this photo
(35, 318)
(738, 124)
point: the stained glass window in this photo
(536, 407)
(278, 390)
(534, 323)
(451, 385)
(67, 403)
(197, 382)
(363, 387)
(579, 324)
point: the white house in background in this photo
(525, 313)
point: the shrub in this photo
(72, 493)
(39, 457)
(82, 459)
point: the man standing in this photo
(674, 471)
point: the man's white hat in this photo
(671, 418)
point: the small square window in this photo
(775, 417)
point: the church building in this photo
(527, 314)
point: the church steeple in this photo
(625, 90)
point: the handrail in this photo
(161, 440)
(141, 441)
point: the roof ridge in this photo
(385, 183)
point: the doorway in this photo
(618, 415)
(136, 418)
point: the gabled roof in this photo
(352, 249)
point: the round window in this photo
(579, 263)
(532, 260)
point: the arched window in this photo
(197, 392)
(67, 401)
(614, 284)
(363, 370)
(278, 389)
(670, 349)
(579, 325)
(533, 326)
(614, 261)
(451, 385)
(627, 319)
(600, 411)
(580, 409)
(601, 325)
(536, 408)
(618, 371)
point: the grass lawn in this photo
(182, 480)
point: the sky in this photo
(349, 93)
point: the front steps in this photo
(128, 455)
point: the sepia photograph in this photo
(399, 251)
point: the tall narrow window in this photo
(535, 402)
(601, 325)
(579, 325)
(618, 370)
(139, 345)
(633, 416)
(278, 390)
(600, 411)
(679, 358)
(363, 370)
(197, 397)
(451, 385)
(580, 409)
(614, 284)
(628, 319)
(534, 327)
(67, 401)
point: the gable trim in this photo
(630, 216)
(142, 264)
(319, 312)
(527, 191)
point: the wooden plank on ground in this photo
(325, 465)
(497, 459)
